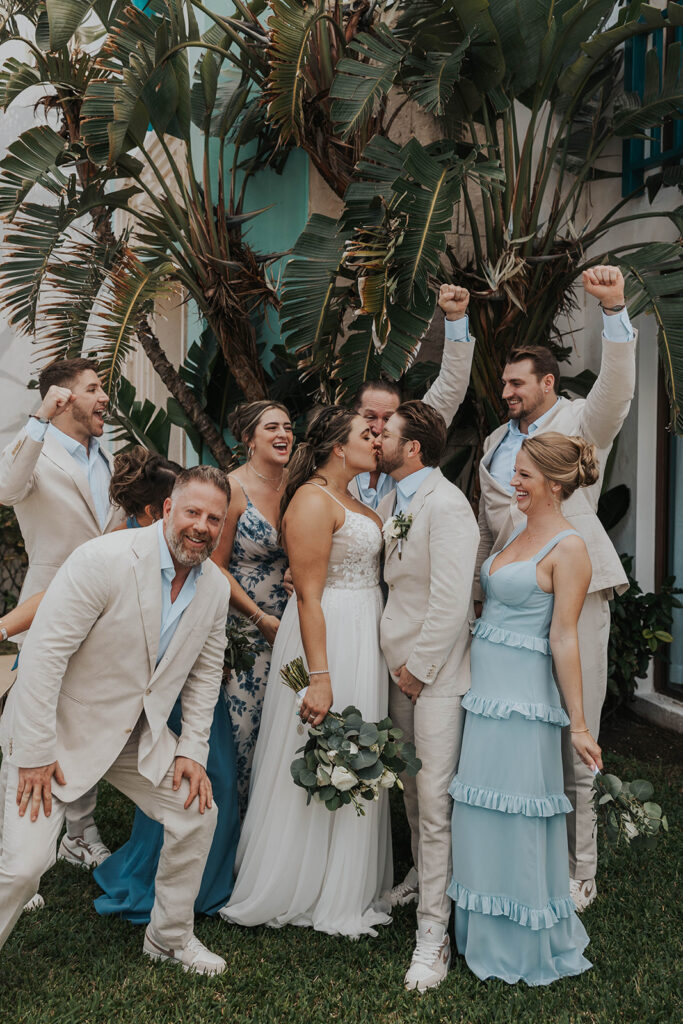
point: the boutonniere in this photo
(397, 528)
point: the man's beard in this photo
(181, 554)
(388, 465)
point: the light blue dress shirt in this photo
(172, 611)
(92, 462)
(502, 466)
(455, 330)
(406, 488)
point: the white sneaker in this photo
(86, 851)
(583, 893)
(193, 957)
(431, 957)
(406, 891)
(35, 903)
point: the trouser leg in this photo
(80, 813)
(27, 849)
(401, 714)
(187, 841)
(438, 723)
(593, 630)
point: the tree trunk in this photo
(185, 397)
(241, 355)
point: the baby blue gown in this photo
(514, 917)
(127, 876)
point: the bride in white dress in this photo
(299, 864)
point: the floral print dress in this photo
(258, 564)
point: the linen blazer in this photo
(88, 668)
(449, 389)
(53, 504)
(425, 624)
(598, 418)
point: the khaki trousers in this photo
(28, 849)
(434, 724)
(593, 630)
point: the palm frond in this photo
(430, 80)
(291, 24)
(362, 81)
(31, 160)
(641, 114)
(138, 422)
(16, 76)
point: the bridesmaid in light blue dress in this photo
(251, 555)
(514, 917)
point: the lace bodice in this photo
(354, 558)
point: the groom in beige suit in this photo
(56, 476)
(531, 390)
(424, 634)
(129, 622)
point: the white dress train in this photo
(304, 865)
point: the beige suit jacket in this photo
(53, 504)
(425, 624)
(597, 418)
(88, 668)
(448, 390)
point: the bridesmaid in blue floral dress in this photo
(139, 485)
(514, 917)
(250, 553)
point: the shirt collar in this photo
(165, 560)
(513, 425)
(409, 484)
(70, 444)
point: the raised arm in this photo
(308, 526)
(571, 573)
(450, 387)
(18, 460)
(609, 400)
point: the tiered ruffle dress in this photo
(514, 917)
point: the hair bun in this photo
(588, 470)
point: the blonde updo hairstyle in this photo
(246, 417)
(567, 461)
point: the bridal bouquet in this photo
(626, 811)
(346, 759)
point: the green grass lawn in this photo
(66, 964)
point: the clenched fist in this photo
(453, 301)
(606, 284)
(56, 400)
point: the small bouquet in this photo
(397, 528)
(625, 810)
(346, 759)
(239, 651)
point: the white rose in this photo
(343, 779)
(387, 779)
(390, 529)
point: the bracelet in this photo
(612, 309)
(34, 416)
(3, 632)
(576, 731)
(320, 672)
(252, 618)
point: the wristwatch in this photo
(612, 309)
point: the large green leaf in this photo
(430, 80)
(654, 282)
(31, 160)
(641, 114)
(64, 17)
(292, 24)
(361, 82)
(371, 188)
(16, 76)
(138, 422)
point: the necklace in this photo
(269, 479)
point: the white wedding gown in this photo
(304, 865)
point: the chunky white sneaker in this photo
(193, 957)
(583, 893)
(35, 903)
(86, 851)
(431, 957)
(406, 891)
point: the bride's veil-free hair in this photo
(330, 425)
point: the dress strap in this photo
(551, 544)
(515, 533)
(244, 492)
(325, 491)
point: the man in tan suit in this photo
(57, 476)
(377, 400)
(424, 634)
(129, 622)
(531, 386)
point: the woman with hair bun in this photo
(297, 863)
(250, 554)
(514, 916)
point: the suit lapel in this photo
(110, 463)
(147, 570)
(53, 450)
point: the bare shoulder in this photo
(238, 499)
(310, 501)
(571, 553)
